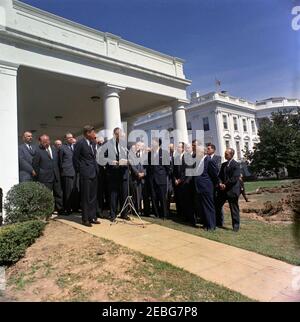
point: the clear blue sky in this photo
(248, 44)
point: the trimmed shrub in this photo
(28, 201)
(14, 239)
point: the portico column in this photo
(9, 164)
(111, 106)
(179, 119)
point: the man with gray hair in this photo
(26, 153)
(68, 174)
(229, 190)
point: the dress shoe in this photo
(112, 219)
(95, 222)
(87, 224)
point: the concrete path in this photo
(256, 276)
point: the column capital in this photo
(8, 68)
(111, 90)
(179, 103)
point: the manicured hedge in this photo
(15, 238)
(28, 201)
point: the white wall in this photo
(9, 167)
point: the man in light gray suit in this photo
(26, 154)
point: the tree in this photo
(279, 145)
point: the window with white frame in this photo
(235, 123)
(245, 125)
(253, 126)
(225, 122)
(205, 124)
(227, 144)
(246, 145)
(238, 150)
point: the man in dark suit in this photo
(211, 152)
(117, 173)
(101, 178)
(206, 177)
(84, 160)
(46, 166)
(138, 174)
(189, 194)
(171, 188)
(26, 153)
(159, 170)
(178, 179)
(229, 189)
(68, 175)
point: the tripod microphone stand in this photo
(129, 203)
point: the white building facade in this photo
(57, 76)
(227, 121)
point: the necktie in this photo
(92, 148)
(49, 154)
(118, 153)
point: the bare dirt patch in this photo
(277, 205)
(67, 264)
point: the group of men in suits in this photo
(92, 173)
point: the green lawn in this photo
(253, 185)
(273, 240)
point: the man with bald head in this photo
(229, 190)
(46, 166)
(26, 153)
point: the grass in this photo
(274, 240)
(168, 282)
(251, 186)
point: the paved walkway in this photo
(256, 276)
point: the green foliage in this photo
(14, 239)
(279, 145)
(27, 201)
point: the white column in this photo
(179, 119)
(9, 163)
(219, 129)
(111, 106)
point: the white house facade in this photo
(227, 121)
(57, 76)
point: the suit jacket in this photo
(138, 168)
(205, 182)
(230, 176)
(159, 168)
(218, 160)
(25, 162)
(116, 171)
(47, 169)
(179, 168)
(84, 159)
(66, 161)
(189, 163)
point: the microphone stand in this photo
(129, 199)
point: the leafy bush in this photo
(15, 238)
(27, 201)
